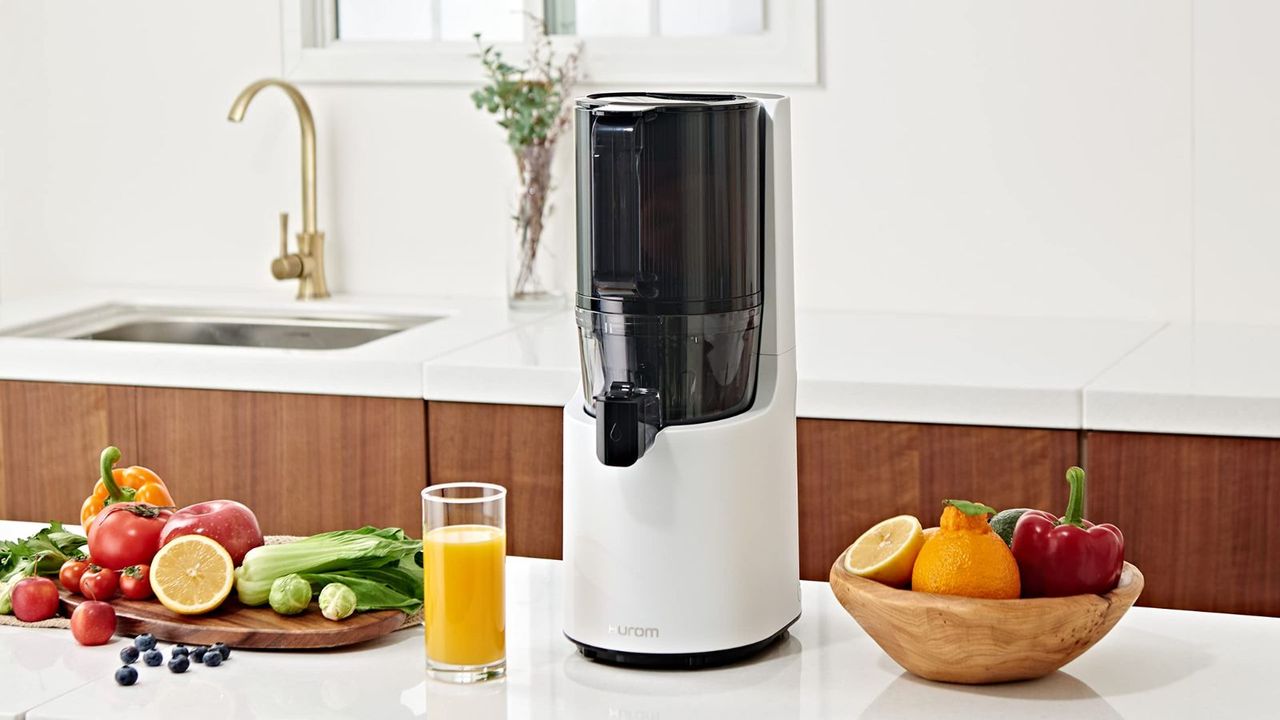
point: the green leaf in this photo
(41, 554)
(970, 508)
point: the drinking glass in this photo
(464, 550)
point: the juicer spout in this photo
(626, 423)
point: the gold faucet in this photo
(307, 265)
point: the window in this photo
(672, 42)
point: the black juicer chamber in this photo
(670, 266)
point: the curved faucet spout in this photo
(236, 114)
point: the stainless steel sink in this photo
(217, 326)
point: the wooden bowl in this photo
(975, 641)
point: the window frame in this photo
(786, 53)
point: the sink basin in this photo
(300, 330)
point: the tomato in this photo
(70, 574)
(93, 623)
(99, 583)
(126, 534)
(34, 599)
(135, 582)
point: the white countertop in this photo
(387, 367)
(1199, 379)
(1155, 663)
(1027, 372)
(1003, 371)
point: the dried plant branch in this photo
(534, 104)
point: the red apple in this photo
(93, 623)
(229, 523)
(34, 599)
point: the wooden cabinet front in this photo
(1198, 516)
(517, 446)
(854, 474)
(304, 463)
(51, 435)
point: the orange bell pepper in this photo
(131, 484)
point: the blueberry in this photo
(179, 664)
(126, 675)
(222, 650)
(212, 659)
(128, 654)
(180, 650)
(152, 657)
(144, 642)
(197, 653)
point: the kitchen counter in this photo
(1018, 372)
(386, 367)
(1058, 373)
(1206, 379)
(1156, 663)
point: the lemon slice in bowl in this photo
(887, 552)
(192, 574)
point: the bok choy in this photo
(383, 567)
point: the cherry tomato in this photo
(126, 533)
(135, 582)
(70, 574)
(93, 623)
(99, 583)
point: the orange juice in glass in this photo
(464, 549)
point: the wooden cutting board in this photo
(246, 627)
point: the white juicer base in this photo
(693, 549)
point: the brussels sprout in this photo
(337, 601)
(290, 594)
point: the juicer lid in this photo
(643, 102)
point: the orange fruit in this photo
(966, 557)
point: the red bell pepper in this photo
(1068, 555)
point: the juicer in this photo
(680, 510)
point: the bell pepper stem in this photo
(1075, 501)
(110, 456)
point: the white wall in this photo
(1063, 157)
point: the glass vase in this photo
(531, 269)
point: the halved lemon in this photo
(192, 574)
(887, 552)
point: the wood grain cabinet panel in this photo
(51, 435)
(304, 463)
(516, 446)
(854, 474)
(1198, 516)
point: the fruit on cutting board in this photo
(887, 552)
(71, 572)
(126, 533)
(231, 524)
(99, 583)
(93, 623)
(135, 582)
(192, 574)
(1067, 555)
(116, 485)
(966, 557)
(35, 599)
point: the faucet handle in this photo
(287, 265)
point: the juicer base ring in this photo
(678, 661)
